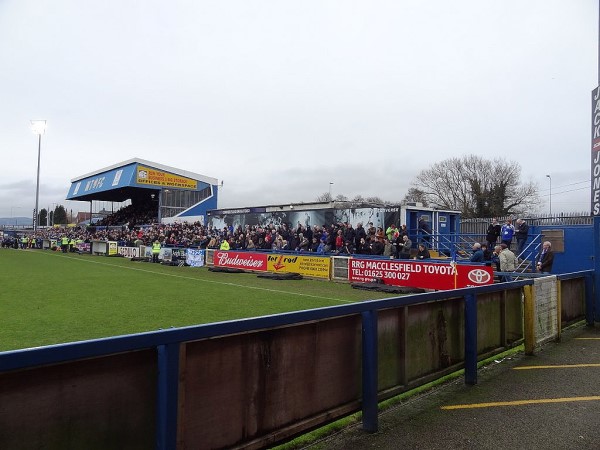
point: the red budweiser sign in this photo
(425, 275)
(240, 260)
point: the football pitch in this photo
(50, 297)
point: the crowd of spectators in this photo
(338, 238)
(131, 216)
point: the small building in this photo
(440, 224)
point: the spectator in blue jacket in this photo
(506, 233)
(322, 248)
(477, 255)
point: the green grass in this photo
(49, 297)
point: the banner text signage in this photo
(309, 266)
(146, 175)
(418, 274)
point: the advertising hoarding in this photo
(310, 266)
(419, 274)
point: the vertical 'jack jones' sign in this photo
(596, 151)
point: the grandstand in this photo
(158, 193)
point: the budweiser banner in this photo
(240, 260)
(309, 266)
(418, 274)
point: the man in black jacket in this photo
(493, 232)
(521, 232)
(546, 258)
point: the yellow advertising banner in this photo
(146, 175)
(310, 266)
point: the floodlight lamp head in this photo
(38, 127)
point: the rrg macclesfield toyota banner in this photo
(418, 274)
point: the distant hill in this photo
(19, 221)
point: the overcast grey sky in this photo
(280, 98)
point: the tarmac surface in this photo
(547, 401)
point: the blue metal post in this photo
(589, 299)
(470, 339)
(369, 371)
(168, 380)
(596, 298)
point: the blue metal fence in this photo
(167, 345)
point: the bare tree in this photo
(477, 187)
(415, 195)
(324, 197)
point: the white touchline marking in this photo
(203, 281)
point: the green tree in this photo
(477, 187)
(60, 215)
(43, 217)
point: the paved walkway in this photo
(547, 401)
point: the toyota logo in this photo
(479, 276)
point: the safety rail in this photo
(251, 383)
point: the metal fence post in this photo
(589, 299)
(470, 339)
(595, 299)
(529, 319)
(369, 371)
(167, 397)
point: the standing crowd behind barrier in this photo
(337, 238)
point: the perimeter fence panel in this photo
(546, 311)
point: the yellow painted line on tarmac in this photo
(523, 402)
(588, 339)
(557, 366)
